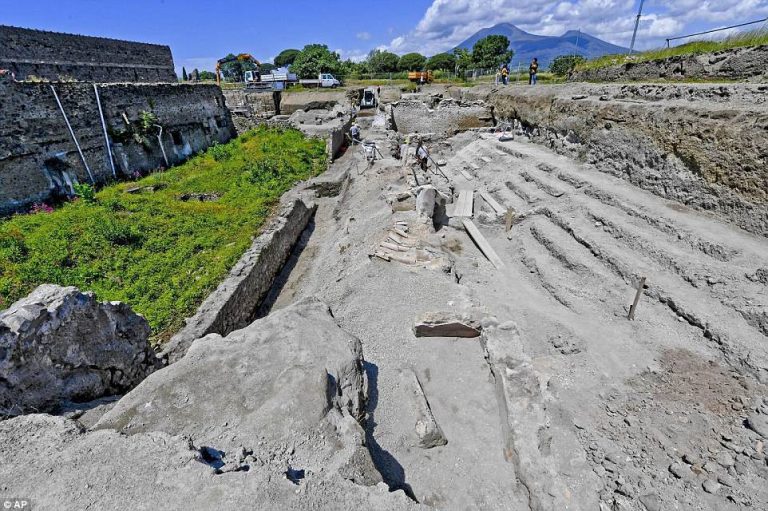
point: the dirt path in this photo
(564, 403)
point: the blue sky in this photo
(200, 31)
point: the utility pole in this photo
(637, 23)
(578, 36)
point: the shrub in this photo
(564, 64)
(85, 192)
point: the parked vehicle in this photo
(278, 79)
(369, 98)
(325, 80)
(420, 76)
(243, 57)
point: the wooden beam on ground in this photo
(492, 203)
(466, 175)
(482, 243)
(639, 293)
(464, 206)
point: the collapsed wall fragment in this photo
(58, 344)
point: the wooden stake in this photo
(509, 217)
(639, 293)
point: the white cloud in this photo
(447, 23)
(363, 36)
(355, 55)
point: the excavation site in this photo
(381, 295)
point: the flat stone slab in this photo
(428, 431)
(445, 324)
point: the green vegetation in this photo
(749, 38)
(207, 75)
(162, 243)
(442, 61)
(412, 62)
(564, 64)
(491, 52)
(286, 57)
(382, 62)
(315, 59)
(234, 70)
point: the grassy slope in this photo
(150, 249)
(753, 38)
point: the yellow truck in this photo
(420, 76)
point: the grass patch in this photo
(140, 243)
(748, 38)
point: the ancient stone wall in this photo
(251, 108)
(447, 118)
(735, 64)
(233, 305)
(55, 56)
(38, 156)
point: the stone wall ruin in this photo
(38, 158)
(54, 56)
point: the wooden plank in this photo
(492, 203)
(474, 166)
(639, 293)
(392, 246)
(464, 205)
(399, 232)
(466, 175)
(486, 159)
(482, 243)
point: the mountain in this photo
(545, 48)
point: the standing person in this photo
(354, 131)
(498, 77)
(378, 91)
(533, 70)
(422, 155)
(505, 74)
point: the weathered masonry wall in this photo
(234, 303)
(56, 56)
(38, 158)
(703, 146)
(735, 64)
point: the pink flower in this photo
(41, 207)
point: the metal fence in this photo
(764, 20)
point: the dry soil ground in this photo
(564, 403)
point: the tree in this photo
(491, 52)
(235, 69)
(266, 68)
(286, 58)
(564, 64)
(315, 59)
(444, 61)
(184, 74)
(463, 59)
(354, 70)
(207, 75)
(412, 62)
(383, 61)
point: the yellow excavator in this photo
(243, 57)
